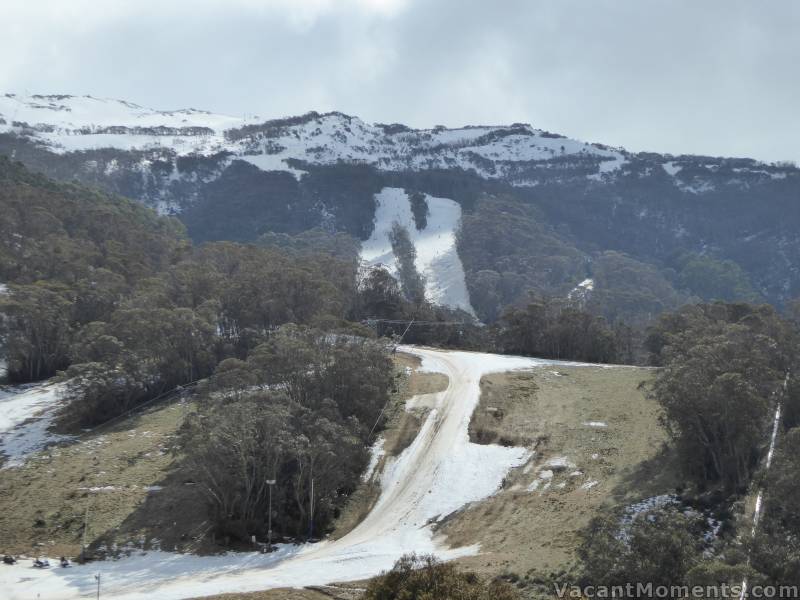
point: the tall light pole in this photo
(97, 577)
(270, 483)
(311, 512)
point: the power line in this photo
(177, 390)
(414, 322)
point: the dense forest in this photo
(708, 228)
(119, 301)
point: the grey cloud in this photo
(715, 77)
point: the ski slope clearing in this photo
(440, 472)
(26, 414)
(437, 257)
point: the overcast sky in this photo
(719, 77)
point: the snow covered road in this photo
(440, 472)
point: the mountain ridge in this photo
(71, 123)
(232, 178)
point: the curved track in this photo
(440, 472)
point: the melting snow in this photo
(582, 290)
(559, 463)
(376, 451)
(440, 472)
(437, 257)
(26, 414)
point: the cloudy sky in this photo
(718, 77)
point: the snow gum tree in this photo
(723, 365)
(299, 410)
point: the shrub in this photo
(426, 578)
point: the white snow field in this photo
(66, 123)
(437, 257)
(26, 413)
(440, 472)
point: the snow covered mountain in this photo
(73, 124)
(237, 178)
(517, 154)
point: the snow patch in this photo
(376, 452)
(424, 401)
(582, 290)
(437, 258)
(560, 463)
(26, 414)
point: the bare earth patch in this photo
(127, 478)
(594, 438)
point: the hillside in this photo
(425, 483)
(539, 211)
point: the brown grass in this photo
(536, 531)
(44, 503)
